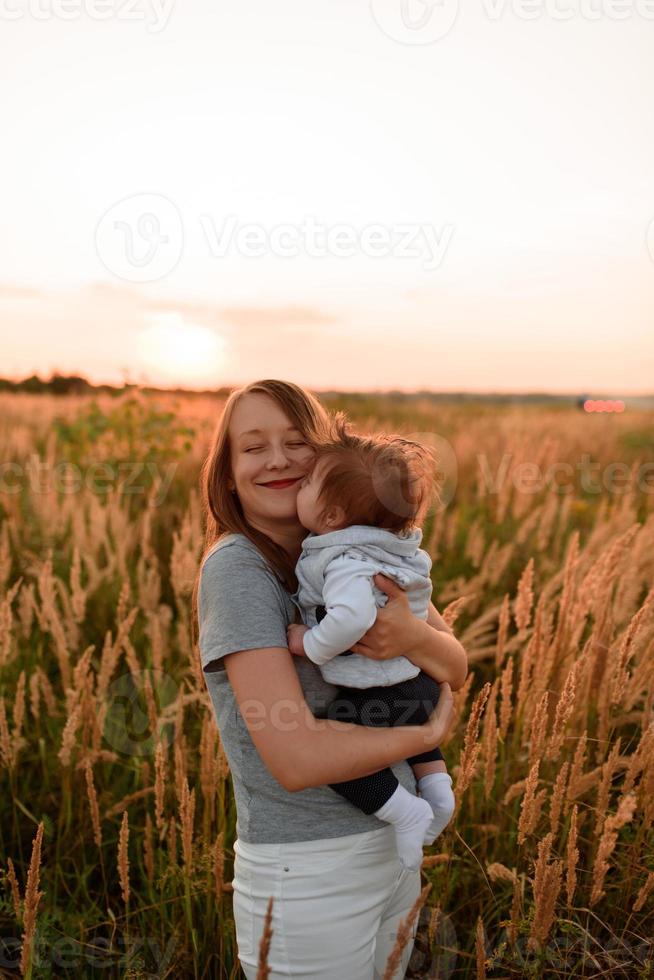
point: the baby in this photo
(358, 504)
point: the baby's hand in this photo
(294, 634)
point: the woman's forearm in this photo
(333, 751)
(438, 652)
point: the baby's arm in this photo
(350, 609)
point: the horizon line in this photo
(488, 392)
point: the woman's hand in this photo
(440, 720)
(429, 644)
(391, 633)
(294, 634)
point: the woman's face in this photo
(269, 463)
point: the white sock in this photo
(436, 789)
(410, 817)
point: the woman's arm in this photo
(430, 644)
(436, 650)
(301, 750)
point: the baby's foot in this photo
(410, 836)
(436, 789)
(410, 817)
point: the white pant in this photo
(337, 904)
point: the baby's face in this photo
(308, 509)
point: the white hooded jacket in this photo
(335, 570)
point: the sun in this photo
(173, 350)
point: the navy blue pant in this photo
(407, 703)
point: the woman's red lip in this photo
(281, 483)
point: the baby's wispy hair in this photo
(379, 480)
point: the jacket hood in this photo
(403, 545)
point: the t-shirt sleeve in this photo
(240, 606)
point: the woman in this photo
(338, 888)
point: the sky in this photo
(406, 194)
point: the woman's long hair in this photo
(221, 508)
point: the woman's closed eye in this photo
(251, 449)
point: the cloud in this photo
(283, 316)
(94, 330)
(9, 291)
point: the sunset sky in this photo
(348, 195)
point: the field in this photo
(117, 818)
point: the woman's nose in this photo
(277, 458)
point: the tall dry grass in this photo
(117, 818)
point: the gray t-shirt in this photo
(242, 605)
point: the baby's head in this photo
(377, 480)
